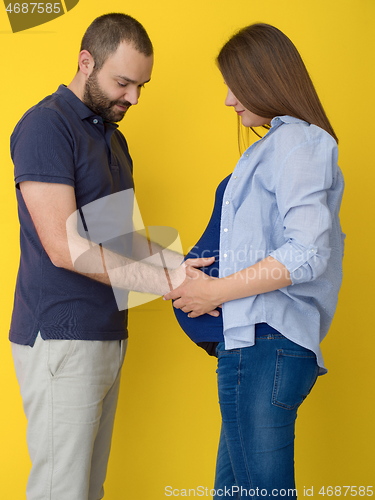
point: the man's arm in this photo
(145, 246)
(50, 205)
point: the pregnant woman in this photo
(276, 236)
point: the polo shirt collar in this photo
(77, 105)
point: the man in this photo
(68, 335)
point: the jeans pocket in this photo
(295, 375)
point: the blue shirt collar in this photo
(285, 119)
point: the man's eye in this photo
(122, 84)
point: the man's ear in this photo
(86, 62)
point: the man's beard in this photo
(98, 101)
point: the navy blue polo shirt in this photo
(60, 140)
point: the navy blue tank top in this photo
(207, 328)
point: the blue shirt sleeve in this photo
(42, 148)
(305, 178)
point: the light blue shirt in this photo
(283, 200)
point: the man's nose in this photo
(132, 95)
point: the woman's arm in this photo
(304, 181)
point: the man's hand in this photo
(196, 294)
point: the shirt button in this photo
(227, 202)
(95, 121)
(225, 255)
(235, 177)
(225, 230)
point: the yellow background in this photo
(184, 141)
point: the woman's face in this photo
(248, 118)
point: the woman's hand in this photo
(196, 295)
(200, 294)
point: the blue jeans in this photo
(260, 390)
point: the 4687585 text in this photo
(339, 491)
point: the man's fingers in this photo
(214, 313)
(200, 262)
(174, 294)
(192, 272)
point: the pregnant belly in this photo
(205, 328)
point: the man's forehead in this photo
(129, 64)
(128, 49)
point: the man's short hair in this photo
(106, 32)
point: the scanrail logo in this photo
(25, 15)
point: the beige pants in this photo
(69, 390)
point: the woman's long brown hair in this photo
(265, 72)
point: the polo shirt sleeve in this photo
(305, 179)
(42, 148)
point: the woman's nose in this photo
(230, 99)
